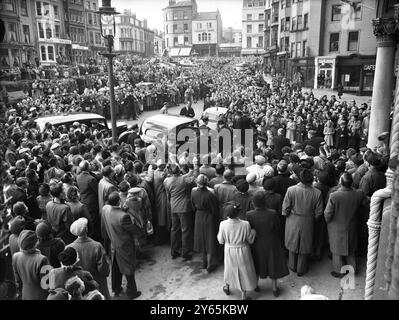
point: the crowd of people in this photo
(77, 208)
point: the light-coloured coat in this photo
(239, 269)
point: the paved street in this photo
(160, 277)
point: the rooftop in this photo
(207, 16)
(180, 4)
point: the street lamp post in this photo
(107, 10)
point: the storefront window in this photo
(368, 81)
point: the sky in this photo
(231, 10)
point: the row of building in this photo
(329, 42)
(67, 32)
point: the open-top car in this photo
(214, 114)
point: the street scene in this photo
(197, 150)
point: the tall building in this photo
(253, 25)
(178, 17)
(231, 44)
(132, 35)
(348, 47)
(231, 35)
(19, 45)
(207, 33)
(93, 31)
(327, 37)
(54, 44)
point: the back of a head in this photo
(56, 190)
(113, 198)
(259, 199)
(107, 171)
(84, 165)
(220, 169)
(346, 180)
(228, 175)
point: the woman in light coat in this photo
(239, 269)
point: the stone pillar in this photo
(385, 30)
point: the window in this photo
(26, 32)
(199, 25)
(175, 40)
(41, 30)
(185, 15)
(288, 3)
(24, 8)
(287, 24)
(282, 25)
(199, 37)
(294, 25)
(334, 42)
(282, 4)
(260, 28)
(249, 28)
(91, 38)
(204, 36)
(7, 5)
(250, 4)
(358, 10)
(90, 18)
(12, 32)
(298, 49)
(262, 3)
(50, 52)
(261, 16)
(175, 28)
(57, 31)
(186, 41)
(299, 23)
(306, 21)
(209, 37)
(49, 32)
(353, 41)
(94, 6)
(209, 25)
(98, 38)
(336, 13)
(88, 5)
(166, 30)
(249, 17)
(304, 48)
(260, 42)
(249, 42)
(175, 17)
(43, 52)
(38, 8)
(185, 27)
(56, 12)
(293, 50)
(46, 9)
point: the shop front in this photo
(80, 54)
(356, 74)
(304, 67)
(325, 72)
(204, 50)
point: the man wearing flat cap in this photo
(29, 267)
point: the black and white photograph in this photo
(212, 152)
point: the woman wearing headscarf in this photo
(29, 267)
(242, 199)
(92, 257)
(239, 269)
(206, 212)
(69, 268)
(267, 249)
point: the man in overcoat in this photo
(302, 204)
(342, 217)
(117, 226)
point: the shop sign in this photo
(369, 67)
(56, 40)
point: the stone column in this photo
(385, 29)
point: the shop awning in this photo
(174, 52)
(185, 52)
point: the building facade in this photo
(178, 18)
(326, 42)
(207, 33)
(159, 43)
(348, 50)
(19, 45)
(253, 25)
(93, 31)
(131, 34)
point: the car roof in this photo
(67, 117)
(168, 121)
(216, 110)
